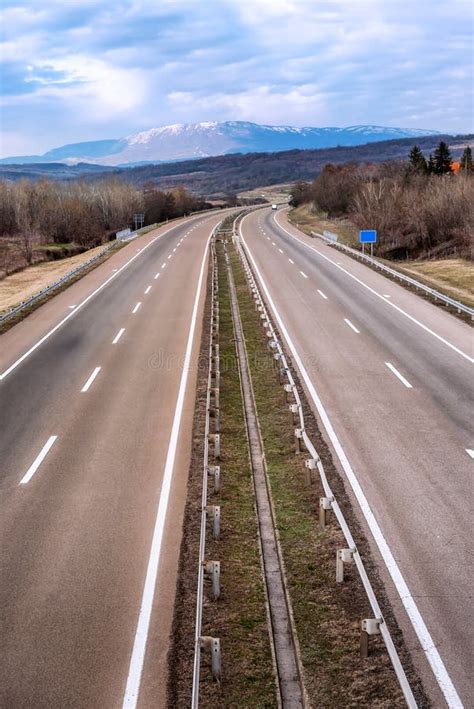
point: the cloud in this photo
(83, 68)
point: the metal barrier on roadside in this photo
(369, 626)
(57, 284)
(209, 568)
(460, 307)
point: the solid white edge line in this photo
(136, 307)
(351, 325)
(147, 290)
(116, 272)
(398, 375)
(323, 295)
(38, 460)
(88, 384)
(118, 335)
(434, 658)
(139, 646)
(470, 452)
(374, 292)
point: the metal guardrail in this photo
(57, 284)
(369, 626)
(211, 568)
(46, 291)
(460, 307)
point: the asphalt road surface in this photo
(394, 375)
(95, 437)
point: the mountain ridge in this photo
(184, 141)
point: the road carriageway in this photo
(392, 380)
(96, 391)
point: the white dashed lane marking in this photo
(353, 327)
(118, 336)
(88, 384)
(38, 460)
(395, 371)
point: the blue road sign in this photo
(368, 236)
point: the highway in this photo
(391, 376)
(97, 395)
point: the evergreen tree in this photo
(430, 165)
(416, 159)
(442, 159)
(466, 159)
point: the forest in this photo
(420, 206)
(44, 219)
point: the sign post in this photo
(368, 236)
(138, 221)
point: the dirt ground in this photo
(20, 286)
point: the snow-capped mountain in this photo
(196, 140)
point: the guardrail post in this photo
(213, 645)
(325, 504)
(215, 413)
(368, 626)
(298, 439)
(212, 570)
(343, 556)
(215, 394)
(287, 390)
(215, 512)
(217, 444)
(215, 471)
(310, 465)
(294, 410)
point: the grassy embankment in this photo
(452, 276)
(326, 614)
(22, 285)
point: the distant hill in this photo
(236, 173)
(197, 140)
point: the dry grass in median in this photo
(327, 615)
(239, 617)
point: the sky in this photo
(76, 70)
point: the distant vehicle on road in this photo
(274, 206)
